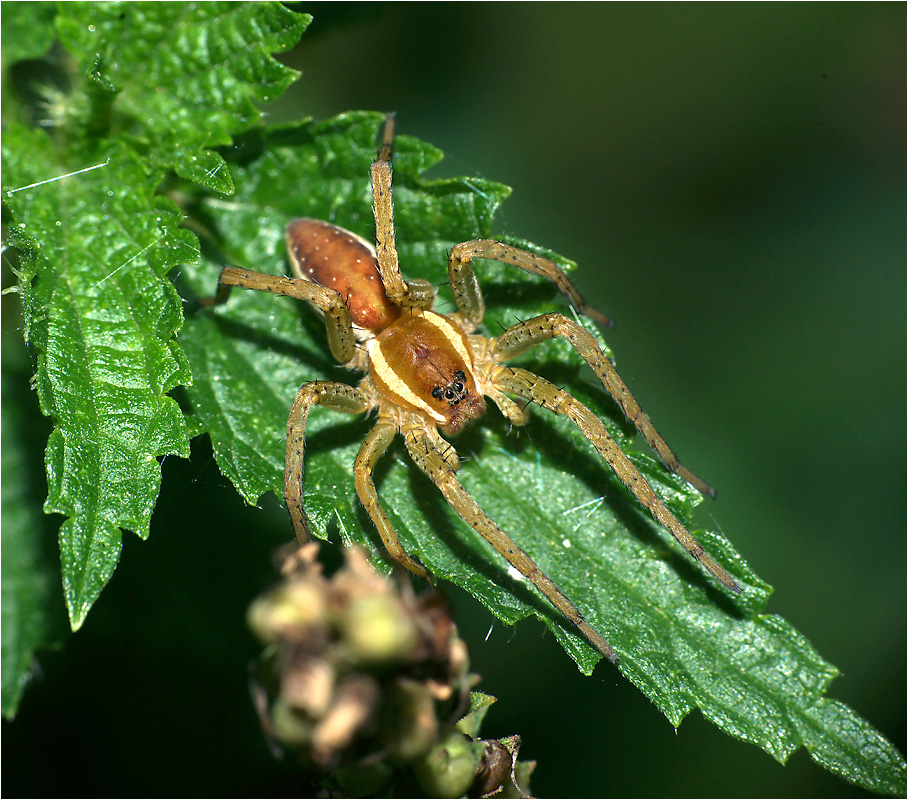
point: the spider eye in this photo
(454, 392)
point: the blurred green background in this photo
(731, 180)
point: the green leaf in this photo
(94, 251)
(471, 722)
(681, 639)
(156, 86)
(32, 608)
(838, 739)
(184, 75)
(28, 31)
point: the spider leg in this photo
(406, 294)
(466, 290)
(540, 391)
(374, 445)
(341, 340)
(524, 335)
(336, 396)
(434, 456)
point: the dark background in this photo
(731, 180)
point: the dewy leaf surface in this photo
(182, 76)
(681, 639)
(94, 250)
(152, 87)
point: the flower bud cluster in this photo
(363, 682)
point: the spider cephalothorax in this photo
(424, 363)
(426, 371)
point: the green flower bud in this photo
(377, 628)
(291, 612)
(449, 768)
(408, 724)
(290, 727)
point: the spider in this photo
(427, 374)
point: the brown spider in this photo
(427, 371)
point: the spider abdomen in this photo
(338, 259)
(424, 363)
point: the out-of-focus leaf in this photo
(32, 608)
(27, 31)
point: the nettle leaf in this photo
(94, 249)
(182, 77)
(156, 85)
(31, 608)
(682, 640)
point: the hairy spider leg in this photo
(339, 327)
(437, 459)
(543, 393)
(416, 293)
(336, 396)
(468, 295)
(521, 337)
(374, 446)
(350, 400)
(524, 335)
